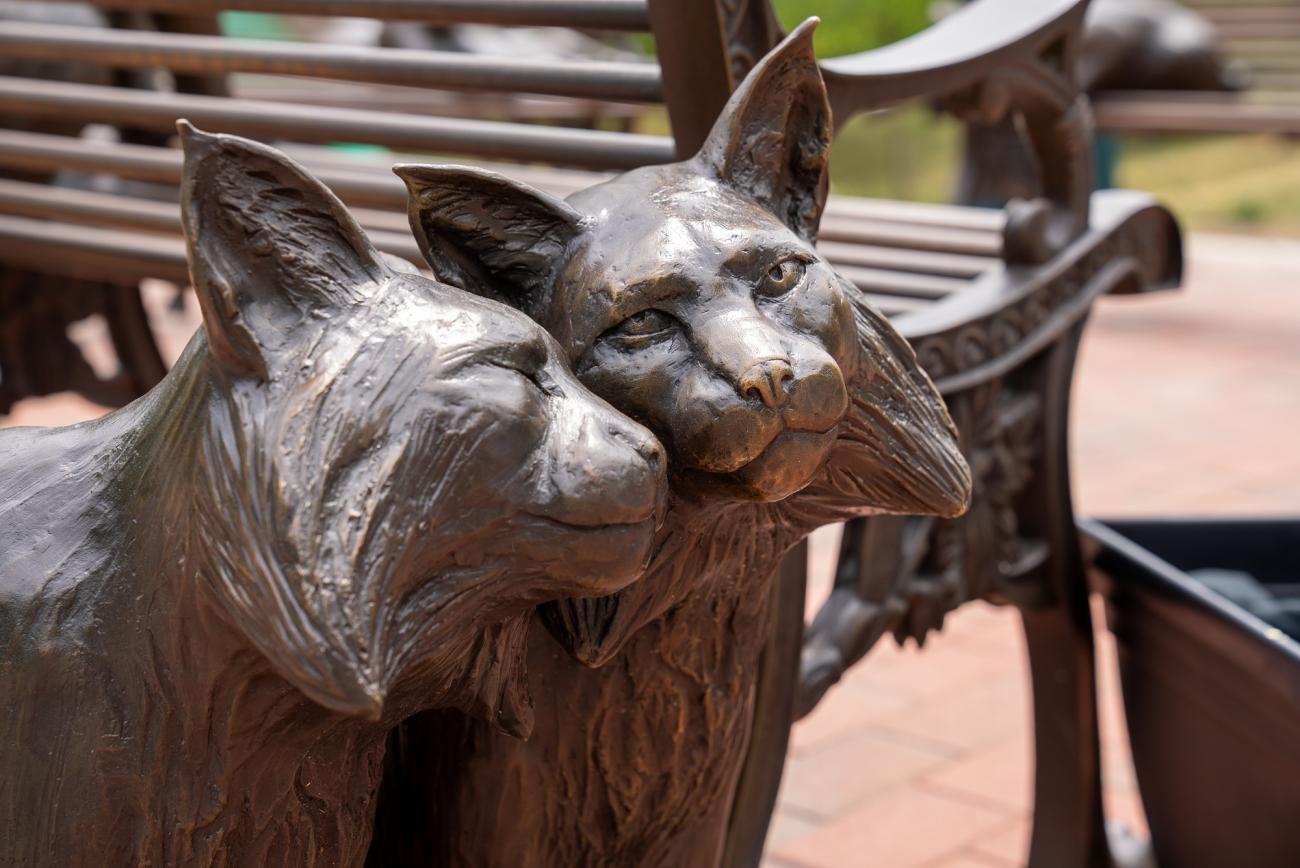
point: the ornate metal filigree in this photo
(903, 575)
(983, 554)
(1145, 246)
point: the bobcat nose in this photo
(766, 382)
(613, 472)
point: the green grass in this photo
(1220, 183)
(856, 25)
(909, 154)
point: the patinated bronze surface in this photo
(690, 296)
(337, 509)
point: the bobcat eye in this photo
(646, 324)
(783, 276)
(527, 360)
(544, 382)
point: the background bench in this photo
(1262, 38)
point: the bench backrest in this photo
(1263, 36)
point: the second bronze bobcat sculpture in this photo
(691, 297)
(339, 508)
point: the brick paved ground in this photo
(1186, 404)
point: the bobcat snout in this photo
(611, 473)
(767, 381)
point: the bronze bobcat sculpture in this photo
(337, 509)
(691, 297)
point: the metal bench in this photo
(994, 301)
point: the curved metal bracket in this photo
(993, 60)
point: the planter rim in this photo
(1153, 570)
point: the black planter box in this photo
(1211, 693)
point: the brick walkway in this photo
(1187, 404)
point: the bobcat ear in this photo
(487, 234)
(268, 245)
(773, 138)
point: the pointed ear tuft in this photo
(487, 234)
(268, 244)
(773, 138)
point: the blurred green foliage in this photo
(910, 154)
(856, 25)
(906, 154)
(253, 25)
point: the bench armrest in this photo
(989, 60)
(957, 53)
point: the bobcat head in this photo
(692, 298)
(391, 468)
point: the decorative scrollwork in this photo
(984, 552)
(1047, 307)
(904, 575)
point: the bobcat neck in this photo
(626, 754)
(192, 733)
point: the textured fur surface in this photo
(336, 510)
(692, 298)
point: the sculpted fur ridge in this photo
(339, 508)
(691, 297)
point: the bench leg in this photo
(37, 357)
(775, 700)
(1069, 824)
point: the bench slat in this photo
(82, 207)
(582, 14)
(915, 261)
(502, 140)
(99, 254)
(40, 152)
(92, 208)
(939, 239)
(208, 55)
(884, 282)
(331, 94)
(1226, 114)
